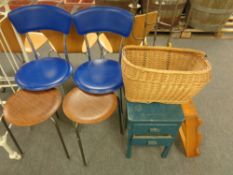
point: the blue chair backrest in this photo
(103, 19)
(40, 17)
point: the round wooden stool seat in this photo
(85, 108)
(27, 108)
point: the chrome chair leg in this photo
(11, 135)
(80, 146)
(62, 90)
(20, 58)
(61, 138)
(120, 117)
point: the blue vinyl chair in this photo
(102, 76)
(49, 72)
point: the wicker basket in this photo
(162, 74)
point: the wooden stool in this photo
(153, 124)
(27, 108)
(84, 108)
(190, 136)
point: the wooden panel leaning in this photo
(190, 136)
(37, 38)
(75, 42)
(143, 24)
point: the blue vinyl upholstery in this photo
(99, 76)
(43, 74)
(103, 19)
(40, 17)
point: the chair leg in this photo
(80, 146)
(78, 127)
(121, 101)
(2, 90)
(62, 90)
(120, 117)
(11, 135)
(56, 114)
(61, 138)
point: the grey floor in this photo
(105, 148)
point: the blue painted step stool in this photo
(153, 124)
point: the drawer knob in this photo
(154, 130)
(152, 142)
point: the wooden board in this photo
(189, 131)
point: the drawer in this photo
(151, 128)
(152, 140)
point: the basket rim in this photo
(208, 68)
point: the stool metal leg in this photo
(58, 117)
(60, 136)
(78, 127)
(121, 100)
(12, 136)
(120, 116)
(80, 146)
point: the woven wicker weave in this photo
(162, 74)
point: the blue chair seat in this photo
(43, 74)
(99, 76)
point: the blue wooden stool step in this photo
(153, 124)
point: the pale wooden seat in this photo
(84, 108)
(27, 108)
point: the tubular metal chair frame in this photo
(12, 88)
(119, 99)
(102, 56)
(120, 96)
